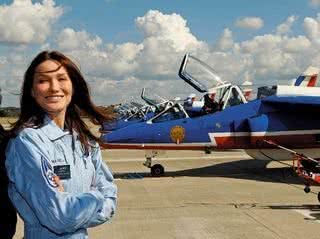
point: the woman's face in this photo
(52, 88)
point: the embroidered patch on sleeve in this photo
(47, 172)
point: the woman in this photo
(58, 181)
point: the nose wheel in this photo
(157, 170)
(307, 189)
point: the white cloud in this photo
(168, 28)
(166, 38)
(314, 3)
(70, 40)
(97, 58)
(120, 71)
(226, 40)
(285, 27)
(253, 23)
(113, 69)
(261, 43)
(296, 44)
(23, 22)
(127, 67)
(117, 72)
(275, 57)
(312, 28)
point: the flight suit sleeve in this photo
(31, 175)
(103, 182)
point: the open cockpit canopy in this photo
(153, 99)
(200, 75)
(204, 79)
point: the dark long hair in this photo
(31, 114)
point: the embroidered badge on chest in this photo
(47, 172)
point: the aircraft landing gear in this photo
(319, 196)
(148, 162)
(157, 170)
(208, 150)
(307, 189)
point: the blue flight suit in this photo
(34, 157)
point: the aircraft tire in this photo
(157, 170)
(207, 150)
(307, 189)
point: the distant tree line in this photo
(9, 112)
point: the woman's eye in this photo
(62, 79)
(41, 81)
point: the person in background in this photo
(210, 105)
(8, 219)
(58, 181)
(234, 98)
(187, 104)
(0, 97)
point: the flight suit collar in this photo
(51, 130)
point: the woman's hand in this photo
(56, 179)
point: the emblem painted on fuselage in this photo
(177, 134)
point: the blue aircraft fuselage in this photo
(290, 121)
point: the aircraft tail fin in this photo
(247, 89)
(308, 78)
(247, 93)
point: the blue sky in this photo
(122, 46)
(114, 19)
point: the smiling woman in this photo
(58, 181)
(52, 90)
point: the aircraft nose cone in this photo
(119, 136)
(110, 137)
(109, 126)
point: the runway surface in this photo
(223, 195)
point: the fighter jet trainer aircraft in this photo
(288, 115)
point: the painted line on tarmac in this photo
(180, 158)
(307, 213)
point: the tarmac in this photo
(222, 195)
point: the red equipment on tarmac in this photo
(306, 167)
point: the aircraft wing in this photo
(293, 100)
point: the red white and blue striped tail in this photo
(308, 78)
